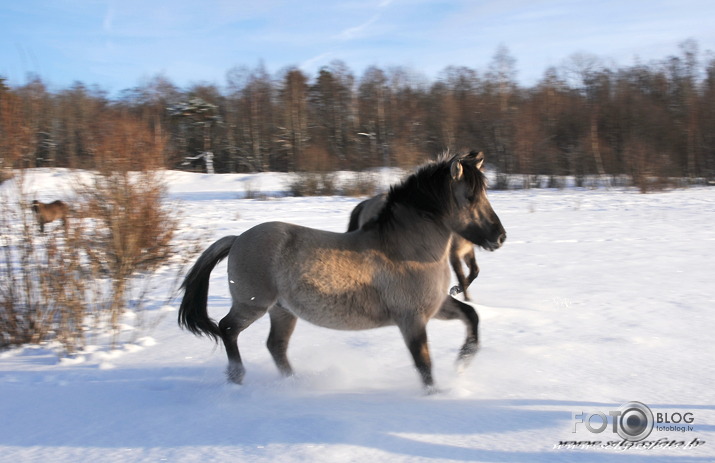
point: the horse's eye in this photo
(471, 198)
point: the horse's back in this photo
(55, 210)
(265, 255)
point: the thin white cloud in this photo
(360, 30)
(313, 62)
(357, 31)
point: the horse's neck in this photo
(412, 236)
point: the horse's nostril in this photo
(502, 238)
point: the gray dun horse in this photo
(392, 271)
(49, 212)
(460, 249)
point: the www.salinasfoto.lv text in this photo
(662, 443)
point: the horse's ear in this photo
(480, 161)
(456, 169)
(476, 157)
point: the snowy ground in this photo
(598, 297)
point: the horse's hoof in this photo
(466, 355)
(433, 390)
(235, 374)
(461, 366)
(456, 289)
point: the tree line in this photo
(584, 117)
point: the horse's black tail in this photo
(193, 315)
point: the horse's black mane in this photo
(429, 189)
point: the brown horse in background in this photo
(49, 212)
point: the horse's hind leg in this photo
(238, 319)
(415, 335)
(282, 326)
(455, 309)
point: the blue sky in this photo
(120, 44)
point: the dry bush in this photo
(649, 169)
(313, 184)
(61, 285)
(361, 184)
(251, 191)
(133, 228)
(328, 184)
(45, 290)
(126, 198)
(58, 286)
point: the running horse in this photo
(392, 271)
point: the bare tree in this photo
(294, 116)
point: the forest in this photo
(585, 117)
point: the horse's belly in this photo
(339, 313)
(363, 306)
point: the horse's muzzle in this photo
(490, 241)
(494, 245)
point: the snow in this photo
(599, 297)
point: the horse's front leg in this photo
(456, 261)
(414, 333)
(471, 261)
(455, 309)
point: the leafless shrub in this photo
(133, 229)
(74, 280)
(126, 199)
(251, 191)
(360, 184)
(313, 184)
(329, 184)
(46, 292)
(649, 169)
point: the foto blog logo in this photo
(633, 421)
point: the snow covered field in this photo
(598, 298)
